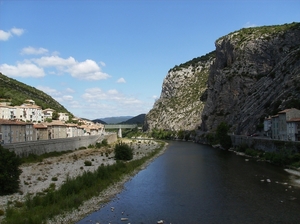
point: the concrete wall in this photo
(265, 144)
(23, 149)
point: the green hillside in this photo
(17, 92)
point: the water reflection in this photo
(192, 183)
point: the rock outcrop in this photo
(256, 74)
(179, 106)
(253, 73)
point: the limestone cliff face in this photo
(179, 106)
(256, 73)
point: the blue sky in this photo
(109, 57)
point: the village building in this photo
(72, 130)
(13, 131)
(56, 129)
(63, 116)
(41, 131)
(285, 125)
(293, 129)
(48, 113)
(7, 112)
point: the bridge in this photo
(116, 126)
(120, 126)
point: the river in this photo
(194, 183)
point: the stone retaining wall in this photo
(23, 149)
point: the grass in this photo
(32, 158)
(37, 209)
(280, 158)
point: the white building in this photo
(48, 113)
(63, 116)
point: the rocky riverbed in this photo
(38, 177)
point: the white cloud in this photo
(4, 36)
(17, 31)
(96, 94)
(69, 90)
(112, 92)
(248, 25)
(32, 50)
(49, 90)
(67, 98)
(22, 70)
(55, 61)
(102, 63)
(88, 70)
(121, 80)
(75, 104)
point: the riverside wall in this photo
(24, 149)
(266, 144)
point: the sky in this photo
(105, 58)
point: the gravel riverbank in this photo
(37, 177)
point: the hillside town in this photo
(28, 122)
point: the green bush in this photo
(251, 152)
(87, 163)
(9, 171)
(104, 142)
(222, 136)
(123, 152)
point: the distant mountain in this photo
(99, 121)
(17, 92)
(115, 120)
(136, 120)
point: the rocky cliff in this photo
(253, 73)
(179, 106)
(256, 73)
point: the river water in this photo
(194, 183)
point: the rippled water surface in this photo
(193, 183)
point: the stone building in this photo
(13, 131)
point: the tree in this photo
(123, 152)
(9, 171)
(222, 135)
(55, 115)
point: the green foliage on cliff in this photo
(194, 61)
(17, 92)
(261, 31)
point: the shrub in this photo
(251, 152)
(54, 178)
(9, 171)
(104, 142)
(242, 147)
(123, 152)
(19, 204)
(87, 163)
(98, 145)
(222, 136)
